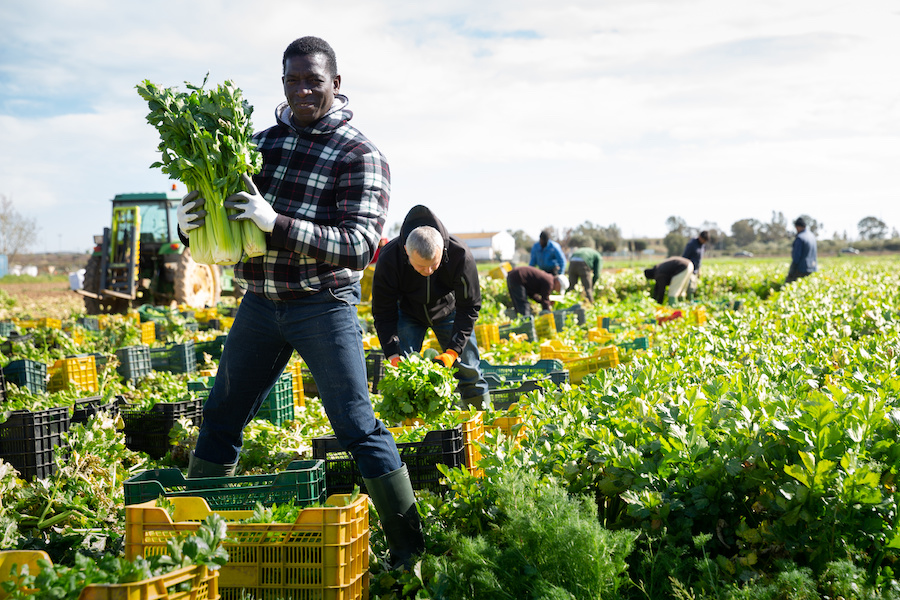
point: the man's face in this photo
(424, 266)
(543, 240)
(309, 87)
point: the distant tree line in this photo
(743, 234)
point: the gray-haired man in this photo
(426, 278)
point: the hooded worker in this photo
(426, 278)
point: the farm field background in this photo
(751, 451)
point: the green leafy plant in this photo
(415, 388)
(205, 143)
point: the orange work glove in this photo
(447, 358)
(394, 360)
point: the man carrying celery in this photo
(322, 198)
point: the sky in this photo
(497, 114)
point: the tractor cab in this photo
(140, 259)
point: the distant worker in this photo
(526, 283)
(547, 255)
(584, 266)
(693, 251)
(674, 272)
(426, 278)
(803, 254)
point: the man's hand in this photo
(252, 206)
(447, 358)
(394, 360)
(191, 214)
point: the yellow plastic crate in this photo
(25, 323)
(323, 554)
(202, 315)
(226, 323)
(204, 583)
(49, 323)
(699, 316)
(545, 326)
(77, 334)
(559, 350)
(600, 335)
(487, 335)
(365, 283)
(297, 383)
(79, 372)
(500, 272)
(579, 368)
(148, 333)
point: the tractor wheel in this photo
(196, 285)
(93, 306)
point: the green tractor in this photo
(141, 260)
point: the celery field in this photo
(752, 450)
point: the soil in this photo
(40, 298)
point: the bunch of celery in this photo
(205, 144)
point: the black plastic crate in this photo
(134, 362)
(13, 336)
(27, 440)
(560, 316)
(85, 408)
(442, 446)
(212, 347)
(374, 367)
(28, 374)
(148, 430)
(503, 399)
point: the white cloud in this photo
(517, 114)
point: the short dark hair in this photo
(307, 46)
(800, 222)
(703, 234)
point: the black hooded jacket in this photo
(397, 286)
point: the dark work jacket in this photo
(452, 287)
(693, 251)
(803, 254)
(538, 284)
(663, 274)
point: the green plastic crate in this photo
(176, 358)
(27, 373)
(278, 406)
(201, 387)
(544, 367)
(303, 482)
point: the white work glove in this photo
(191, 214)
(252, 206)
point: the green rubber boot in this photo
(395, 501)
(197, 468)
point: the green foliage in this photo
(67, 582)
(536, 542)
(415, 388)
(205, 143)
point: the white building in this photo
(489, 245)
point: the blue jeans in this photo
(324, 330)
(472, 385)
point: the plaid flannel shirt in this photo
(330, 187)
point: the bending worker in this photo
(693, 251)
(547, 255)
(425, 278)
(673, 272)
(585, 265)
(526, 283)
